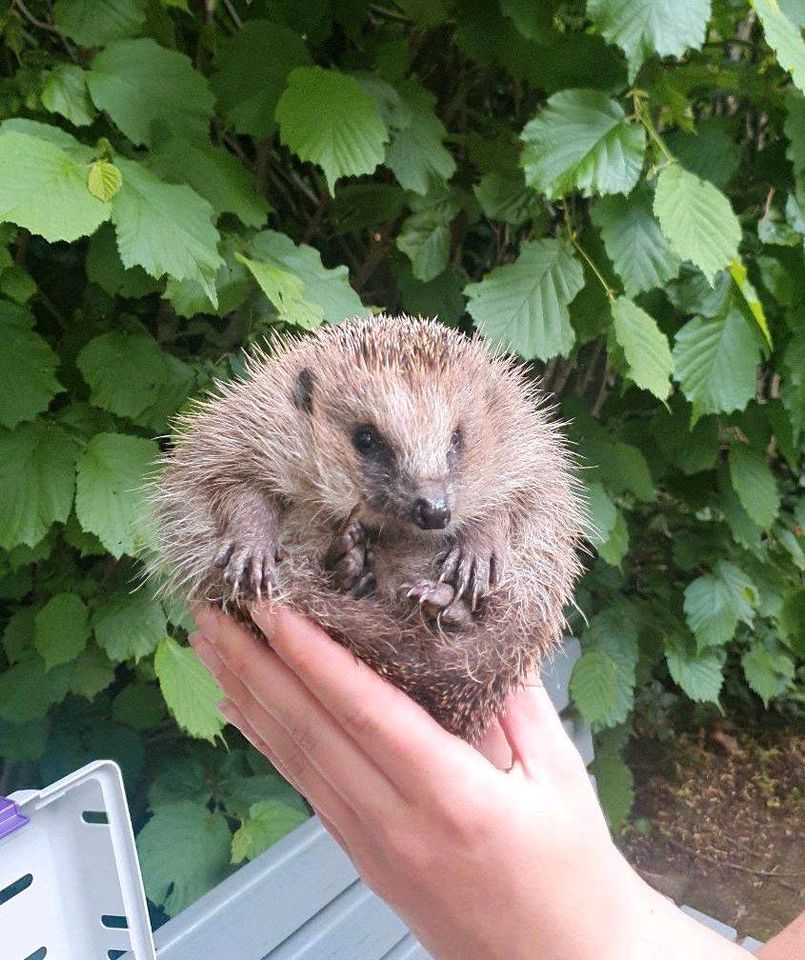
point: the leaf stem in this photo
(588, 260)
(644, 116)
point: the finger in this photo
(318, 737)
(495, 747)
(334, 832)
(273, 742)
(414, 752)
(538, 741)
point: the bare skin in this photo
(487, 854)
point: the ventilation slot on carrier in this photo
(14, 888)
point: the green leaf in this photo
(124, 371)
(645, 347)
(37, 481)
(183, 851)
(104, 267)
(716, 362)
(643, 27)
(93, 24)
(103, 180)
(698, 672)
(129, 626)
(65, 92)
(268, 821)
(108, 501)
(593, 686)
(755, 485)
(190, 691)
(27, 690)
(164, 228)
(23, 741)
(767, 672)
(28, 383)
(709, 150)
(144, 87)
(251, 70)
(748, 292)
(714, 603)
(784, 38)
(286, 292)
(524, 305)
(792, 620)
(612, 634)
(327, 118)
(139, 705)
(62, 629)
(601, 513)
(581, 140)
(43, 189)
(506, 198)
(416, 155)
(18, 636)
(634, 242)
(697, 219)
(327, 288)
(214, 174)
(616, 546)
(614, 785)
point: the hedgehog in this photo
(404, 485)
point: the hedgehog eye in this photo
(366, 439)
(456, 439)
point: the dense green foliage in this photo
(613, 189)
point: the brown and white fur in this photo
(305, 483)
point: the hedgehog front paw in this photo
(439, 602)
(249, 569)
(472, 569)
(349, 560)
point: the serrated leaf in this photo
(139, 705)
(614, 785)
(753, 481)
(124, 371)
(524, 305)
(183, 851)
(129, 626)
(767, 672)
(716, 362)
(103, 180)
(327, 118)
(251, 70)
(215, 175)
(784, 38)
(23, 741)
(634, 242)
(699, 673)
(612, 634)
(268, 822)
(643, 27)
(62, 629)
(28, 383)
(416, 155)
(286, 292)
(697, 219)
(93, 24)
(329, 288)
(593, 685)
(190, 691)
(581, 140)
(108, 502)
(715, 602)
(645, 347)
(601, 513)
(18, 635)
(709, 150)
(164, 228)
(27, 690)
(65, 92)
(142, 87)
(104, 267)
(37, 481)
(43, 189)
(425, 239)
(791, 620)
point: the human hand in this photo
(481, 863)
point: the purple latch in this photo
(10, 817)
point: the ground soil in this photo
(719, 823)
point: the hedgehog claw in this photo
(438, 601)
(472, 570)
(349, 560)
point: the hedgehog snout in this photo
(430, 510)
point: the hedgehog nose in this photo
(431, 514)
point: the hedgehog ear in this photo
(303, 390)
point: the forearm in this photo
(789, 944)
